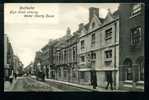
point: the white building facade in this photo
(98, 48)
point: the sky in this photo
(46, 21)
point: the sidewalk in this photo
(89, 87)
(8, 86)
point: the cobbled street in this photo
(30, 84)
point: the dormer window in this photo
(93, 25)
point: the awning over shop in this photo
(85, 69)
(107, 69)
(101, 69)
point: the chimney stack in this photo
(81, 25)
(68, 31)
(93, 11)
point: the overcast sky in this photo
(28, 35)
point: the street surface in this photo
(30, 84)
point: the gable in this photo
(108, 18)
(94, 24)
(83, 31)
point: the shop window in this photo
(65, 73)
(82, 75)
(141, 71)
(59, 73)
(73, 74)
(140, 63)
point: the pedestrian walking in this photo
(11, 79)
(43, 77)
(109, 79)
(47, 73)
(93, 79)
(15, 75)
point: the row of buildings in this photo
(114, 43)
(29, 69)
(12, 63)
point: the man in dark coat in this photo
(109, 79)
(93, 79)
(15, 75)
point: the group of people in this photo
(108, 79)
(40, 76)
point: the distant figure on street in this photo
(43, 76)
(15, 75)
(109, 79)
(47, 72)
(11, 79)
(93, 79)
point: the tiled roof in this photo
(86, 26)
(116, 14)
(101, 19)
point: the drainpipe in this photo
(115, 56)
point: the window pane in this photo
(82, 59)
(135, 35)
(108, 34)
(108, 54)
(82, 44)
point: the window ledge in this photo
(82, 63)
(135, 46)
(128, 81)
(108, 38)
(82, 49)
(92, 59)
(108, 59)
(140, 82)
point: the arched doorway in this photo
(128, 69)
(140, 63)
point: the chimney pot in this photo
(93, 11)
